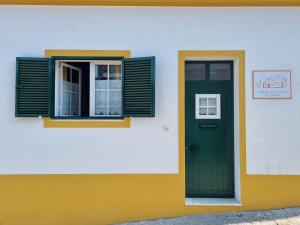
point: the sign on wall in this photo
(271, 84)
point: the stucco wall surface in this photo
(269, 36)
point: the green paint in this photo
(209, 142)
(32, 87)
(139, 87)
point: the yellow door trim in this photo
(51, 123)
(156, 2)
(240, 56)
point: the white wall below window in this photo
(270, 37)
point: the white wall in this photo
(270, 37)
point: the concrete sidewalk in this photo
(288, 216)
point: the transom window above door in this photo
(208, 70)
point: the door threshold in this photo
(213, 201)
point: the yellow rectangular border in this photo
(50, 123)
(240, 55)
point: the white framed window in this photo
(106, 88)
(102, 86)
(207, 106)
(68, 90)
(93, 88)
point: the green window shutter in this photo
(139, 87)
(32, 87)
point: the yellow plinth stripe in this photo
(51, 123)
(109, 199)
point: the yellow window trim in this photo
(50, 123)
(156, 2)
(240, 56)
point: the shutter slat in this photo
(139, 75)
(32, 87)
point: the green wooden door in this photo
(209, 129)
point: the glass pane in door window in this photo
(203, 111)
(212, 111)
(220, 71)
(212, 101)
(195, 70)
(203, 101)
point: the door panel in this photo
(209, 140)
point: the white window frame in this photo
(93, 89)
(59, 88)
(93, 63)
(218, 106)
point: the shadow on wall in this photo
(289, 216)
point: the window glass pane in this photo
(195, 71)
(66, 103)
(212, 101)
(101, 77)
(212, 111)
(108, 95)
(115, 98)
(115, 77)
(75, 104)
(75, 76)
(203, 111)
(203, 101)
(101, 98)
(100, 111)
(66, 78)
(115, 103)
(115, 111)
(75, 81)
(220, 71)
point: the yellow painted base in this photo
(106, 199)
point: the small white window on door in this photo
(207, 106)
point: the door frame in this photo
(238, 57)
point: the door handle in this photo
(192, 148)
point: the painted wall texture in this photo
(270, 37)
(116, 193)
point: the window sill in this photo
(92, 118)
(93, 123)
(212, 202)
